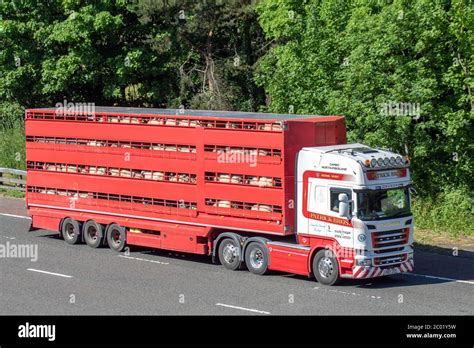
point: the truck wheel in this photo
(116, 237)
(71, 231)
(229, 254)
(92, 233)
(325, 267)
(256, 258)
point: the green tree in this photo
(355, 58)
(215, 45)
(149, 53)
(97, 51)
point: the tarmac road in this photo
(78, 280)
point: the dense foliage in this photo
(401, 71)
(150, 53)
(337, 58)
(357, 57)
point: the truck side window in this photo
(335, 198)
(317, 198)
(320, 196)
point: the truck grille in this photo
(390, 239)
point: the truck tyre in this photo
(229, 254)
(116, 237)
(71, 231)
(92, 233)
(256, 258)
(326, 267)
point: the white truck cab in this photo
(355, 202)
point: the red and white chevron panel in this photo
(363, 272)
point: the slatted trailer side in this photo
(173, 180)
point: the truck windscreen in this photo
(383, 204)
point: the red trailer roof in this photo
(199, 113)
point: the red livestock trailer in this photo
(171, 179)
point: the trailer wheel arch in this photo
(236, 237)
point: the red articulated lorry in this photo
(265, 191)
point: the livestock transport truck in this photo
(261, 191)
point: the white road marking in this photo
(140, 259)
(51, 273)
(242, 308)
(8, 237)
(16, 216)
(349, 293)
(441, 278)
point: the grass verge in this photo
(11, 193)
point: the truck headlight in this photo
(364, 262)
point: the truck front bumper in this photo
(364, 272)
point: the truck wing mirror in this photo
(344, 209)
(343, 205)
